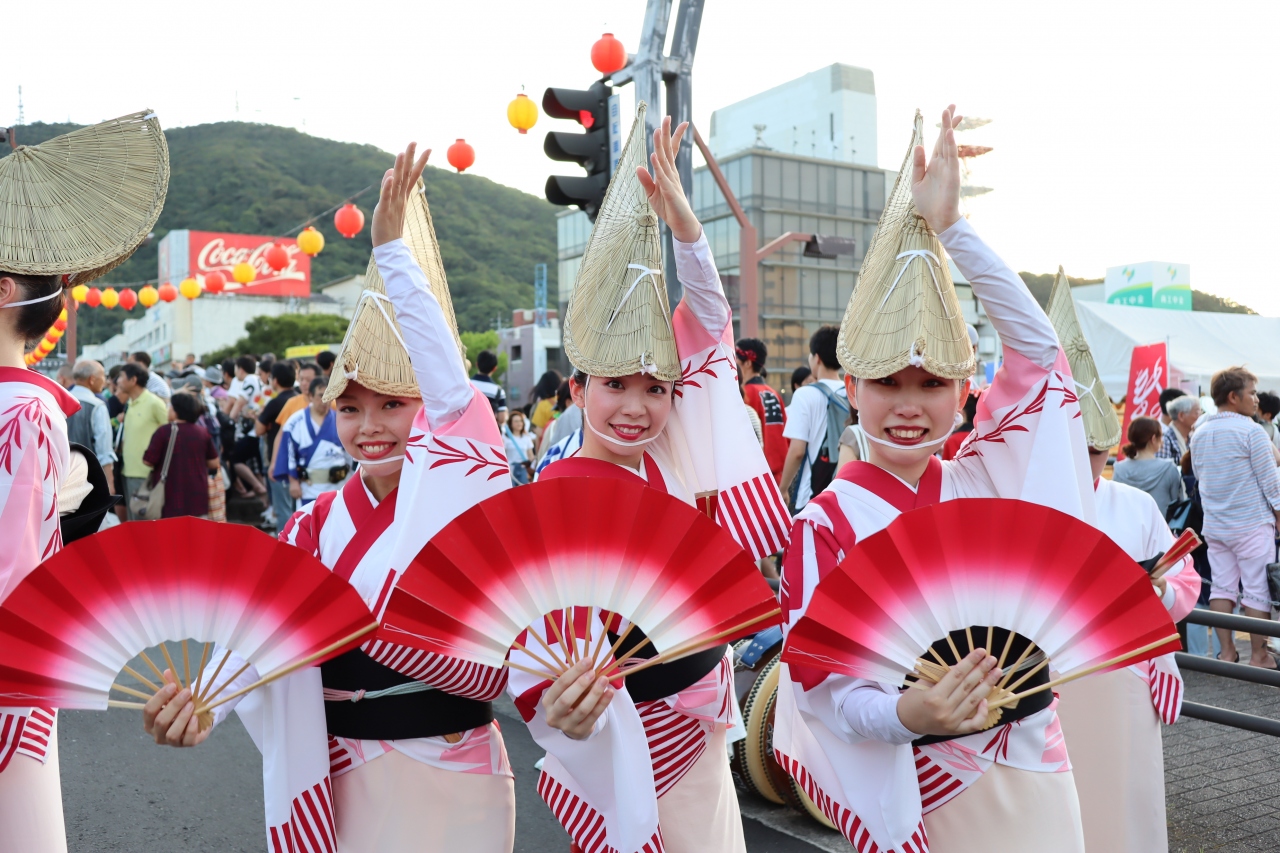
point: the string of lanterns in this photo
(49, 342)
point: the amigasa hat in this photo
(80, 204)
(618, 321)
(373, 352)
(904, 310)
(1101, 426)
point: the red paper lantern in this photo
(215, 282)
(128, 299)
(461, 155)
(168, 292)
(348, 220)
(608, 55)
(61, 324)
(93, 298)
(277, 257)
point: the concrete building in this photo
(531, 350)
(170, 330)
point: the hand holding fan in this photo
(570, 542)
(78, 620)
(1035, 587)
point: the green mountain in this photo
(261, 179)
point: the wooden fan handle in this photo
(613, 650)
(131, 706)
(555, 657)
(531, 671)
(146, 681)
(285, 670)
(130, 691)
(541, 662)
(164, 650)
(695, 646)
(1009, 700)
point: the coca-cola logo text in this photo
(217, 255)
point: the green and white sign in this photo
(1151, 284)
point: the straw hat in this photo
(618, 321)
(81, 203)
(904, 309)
(1101, 426)
(373, 352)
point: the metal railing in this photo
(1227, 669)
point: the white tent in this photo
(1200, 343)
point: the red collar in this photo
(69, 405)
(879, 481)
(579, 466)
(369, 521)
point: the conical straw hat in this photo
(904, 309)
(618, 321)
(81, 203)
(1101, 426)
(372, 352)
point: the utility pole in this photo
(651, 71)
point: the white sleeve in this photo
(871, 713)
(703, 291)
(442, 378)
(225, 684)
(799, 414)
(1014, 312)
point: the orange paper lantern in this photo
(608, 55)
(461, 155)
(148, 296)
(128, 299)
(167, 292)
(277, 257)
(93, 298)
(348, 220)
(215, 282)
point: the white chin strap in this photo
(897, 446)
(370, 463)
(639, 442)
(33, 301)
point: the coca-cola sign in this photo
(221, 252)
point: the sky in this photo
(1116, 126)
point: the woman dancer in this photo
(644, 766)
(43, 253)
(1112, 721)
(405, 739)
(913, 770)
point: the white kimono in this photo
(654, 775)
(1112, 721)
(34, 457)
(454, 460)
(840, 737)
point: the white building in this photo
(829, 114)
(530, 350)
(170, 330)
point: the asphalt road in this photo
(121, 792)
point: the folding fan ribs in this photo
(80, 617)
(926, 585)
(511, 560)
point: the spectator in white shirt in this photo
(807, 422)
(1240, 492)
(156, 383)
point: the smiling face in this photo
(909, 409)
(374, 426)
(626, 409)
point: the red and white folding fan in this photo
(968, 565)
(569, 542)
(80, 617)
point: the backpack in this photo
(822, 470)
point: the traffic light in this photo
(590, 150)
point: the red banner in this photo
(221, 252)
(1148, 371)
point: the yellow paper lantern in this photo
(189, 288)
(110, 299)
(62, 315)
(79, 292)
(311, 241)
(148, 296)
(244, 272)
(54, 334)
(522, 113)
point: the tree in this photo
(276, 334)
(477, 342)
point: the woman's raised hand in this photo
(956, 705)
(663, 187)
(576, 700)
(170, 716)
(397, 183)
(936, 186)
